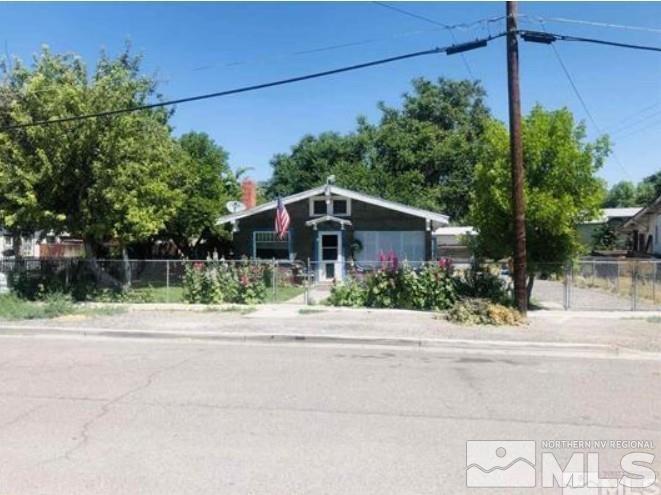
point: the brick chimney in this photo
(249, 193)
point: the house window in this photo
(267, 245)
(319, 207)
(340, 207)
(407, 245)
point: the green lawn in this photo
(15, 308)
(284, 294)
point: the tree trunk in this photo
(126, 265)
(531, 283)
(102, 278)
(17, 243)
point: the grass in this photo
(284, 294)
(54, 305)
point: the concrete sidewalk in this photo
(280, 323)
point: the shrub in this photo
(399, 286)
(479, 282)
(350, 293)
(483, 312)
(218, 282)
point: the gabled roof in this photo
(639, 217)
(339, 191)
(608, 214)
(455, 230)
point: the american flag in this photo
(281, 220)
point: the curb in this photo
(569, 349)
(283, 307)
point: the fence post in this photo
(306, 295)
(567, 298)
(634, 285)
(273, 280)
(167, 281)
(654, 285)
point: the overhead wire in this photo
(580, 98)
(243, 89)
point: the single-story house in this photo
(644, 229)
(331, 225)
(452, 242)
(615, 217)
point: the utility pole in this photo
(516, 153)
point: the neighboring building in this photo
(330, 225)
(38, 246)
(29, 245)
(615, 217)
(644, 229)
(452, 242)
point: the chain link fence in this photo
(590, 284)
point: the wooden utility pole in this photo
(516, 153)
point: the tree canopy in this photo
(561, 188)
(123, 178)
(422, 153)
(626, 193)
(101, 179)
(208, 184)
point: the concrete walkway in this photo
(282, 322)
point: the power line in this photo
(336, 46)
(431, 21)
(628, 127)
(592, 23)
(245, 89)
(582, 100)
(548, 38)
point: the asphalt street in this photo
(110, 416)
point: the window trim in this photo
(330, 207)
(261, 231)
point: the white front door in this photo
(330, 257)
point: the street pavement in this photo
(84, 415)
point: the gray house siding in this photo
(364, 216)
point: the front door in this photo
(330, 257)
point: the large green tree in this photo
(103, 179)
(207, 186)
(561, 189)
(622, 194)
(422, 153)
(626, 193)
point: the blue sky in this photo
(203, 47)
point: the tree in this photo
(561, 189)
(649, 189)
(422, 154)
(622, 194)
(208, 185)
(103, 179)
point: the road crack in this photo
(84, 433)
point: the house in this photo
(614, 217)
(41, 246)
(452, 242)
(331, 225)
(29, 245)
(643, 229)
